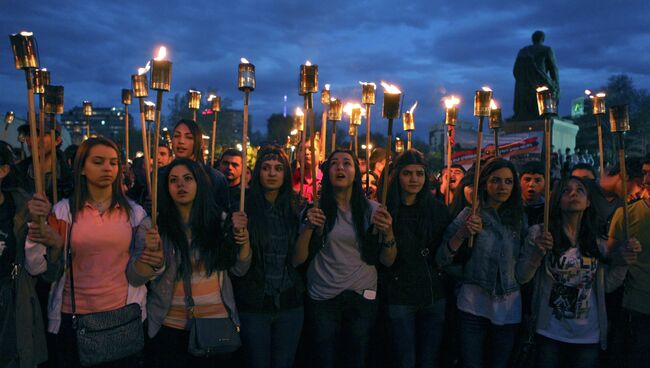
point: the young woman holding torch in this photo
(85, 248)
(270, 295)
(199, 253)
(489, 301)
(416, 299)
(342, 239)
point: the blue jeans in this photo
(341, 329)
(417, 333)
(556, 354)
(270, 339)
(476, 332)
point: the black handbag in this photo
(106, 336)
(209, 336)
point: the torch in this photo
(141, 90)
(126, 101)
(299, 122)
(246, 84)
(399, 146)
(53, 106)
(619, 120)
(368, 99)
(390, 111)
(451, 117)
(309, 86)
(547, 107)
(482, 100)
(408, 120)
(325, 100)
(167, 137)
(334, 115)
(216, 107)
(41, 79)
(88, 112)
(161, 77)
(495, 124)
(9, 119)
(26, 58)
(599, 110)
(150, 118)
(354, 111)
(193, 102)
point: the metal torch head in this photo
(139, 85)
(546, 103)
(355, 116)
(215, 103)
(9, 117)
(149, 111)
(246, 76)
(127, 95)
(619, 119)
(325, 95)
(352, 130)
(408, 120)
(54, 100)
(299, 120)
(399, 146)
(598, 102)
(161, 75)
(495, 118)
(336, 110)
(368, 93)
(482, 99)
(88, 108)
(193, 99)
(41, 79)
(308, 78)
(25, 50)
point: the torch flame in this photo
(43, 69)
(327, 87)
(294, 132)
(451, 101)
(145, 69)
(148, 103)
(347, 109)
(390, 88)
(244, 61)
(193, 91)
(374, 86)
(493, 105)
(587, 92)
(308, 63)
(26, 33)
(413, 107)
(486, 89)
(211, 96)
(542, 89)
(601, 94)
(299, 112)
(162, 53)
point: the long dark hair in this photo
(286, 201)
(423, 199)
(587, 236)
(358, 201)
(459, 202)
(80, 193)
(205, 222)
(511, 212)
(197, 133)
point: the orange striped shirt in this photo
(206, 293)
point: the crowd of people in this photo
(418, 281)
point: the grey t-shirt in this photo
(338, 265)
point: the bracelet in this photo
(389, 244)
(451, 250)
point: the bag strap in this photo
(68, 241)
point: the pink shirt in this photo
(100, 254)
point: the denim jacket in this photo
(493, 258)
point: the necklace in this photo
(100, 206)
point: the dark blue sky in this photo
(428, 48)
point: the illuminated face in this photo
(181, 185)
(499, 186)
(231, 167)
(46, 146)
(341, 170)
(411, 179)
(574, 197)
(272, 175)
(183, 142)
(307, 145)
(532, 187)
(372, 184)
(455, 176)
(163, 156)
(101, 166)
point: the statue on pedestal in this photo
(535, 66)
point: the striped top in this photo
(206, 293)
